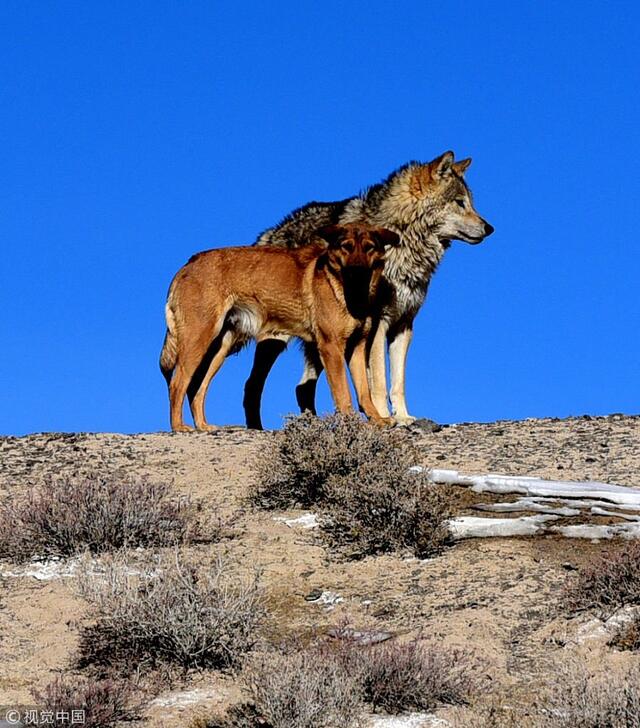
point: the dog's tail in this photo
(169, 353)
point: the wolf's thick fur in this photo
(325, 295)
(428, 205)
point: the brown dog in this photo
(221, 299)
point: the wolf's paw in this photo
(404, 420)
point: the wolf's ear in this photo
(386, 237)
(331, 233)
(462, 166)
(442, 165)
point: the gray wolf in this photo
(323, 293)
(428, 205)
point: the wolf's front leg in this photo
(378, 371)
(398, 348)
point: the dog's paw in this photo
(183, 428)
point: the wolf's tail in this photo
(169, 353)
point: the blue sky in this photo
(137, 133)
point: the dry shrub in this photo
(105, 703)
(294, 468)
(358, 474)
(102, 513)
(582, 698)
(381, 507)
(331, 686)
(306, 689)
(414, 676)
(175, 614)
(627, 636)
(608, 582)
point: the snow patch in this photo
(306, 520)
(412, 720)
(473, 527)
(184, 698)
(328, 599)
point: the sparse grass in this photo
(294, 468)
(580, 696)
(608, 582)
(177, 614)
(99, 704)
(358, 476)
(414, 676)
(382, 507)
(102, 513)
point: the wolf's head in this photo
(440, 190)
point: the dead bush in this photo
(582, 697)
(413, 676)
(382, 506)
(295, 467)
(608, 582)
(102, 513)
(627, 636)
(305, 689)
(99, 704)
(173, 614)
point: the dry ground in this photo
(498, 597)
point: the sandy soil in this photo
(497, 597)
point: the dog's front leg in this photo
(378, 371)
(398, 348)
(358, 367)
(332, 357)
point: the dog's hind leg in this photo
(213, 363)
(267, 352)
(398, 348)
(306, 389)
(378, 370)
(193, 343)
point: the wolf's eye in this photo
(460, 202)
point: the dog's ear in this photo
(462, 166)
(385, 238)
(441, 165)
(331, 233)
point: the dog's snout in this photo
(488, 229)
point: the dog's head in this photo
(439, 186)
(355, 255)
(357, 246)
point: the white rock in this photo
(306, 520)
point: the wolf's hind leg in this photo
(267, 352)
(306, 389)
